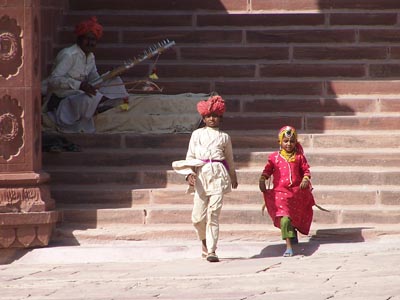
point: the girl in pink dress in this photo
(290, 201)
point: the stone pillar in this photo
(27, 211)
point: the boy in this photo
(210, 170)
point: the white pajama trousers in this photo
(205, 218)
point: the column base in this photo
(27, 230)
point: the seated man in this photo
(72, 98)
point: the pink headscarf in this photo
(90, 25)
(289, 131)
(214, 105)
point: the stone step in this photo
(268, 70)
(233, 88)
(158, 5)
(243, 158)
(79, 234)
(232, 5)
(123, 196)
(231, 214)
(258, 139)
(313, 123)
(157, 177)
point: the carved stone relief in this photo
(21, 200)
(10, 47)
(11, 128)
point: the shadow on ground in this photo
(323, 236)
(7, 256)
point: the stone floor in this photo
(323, 268)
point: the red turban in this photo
(214, 105)
(90, 25)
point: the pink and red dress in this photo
(286, 198)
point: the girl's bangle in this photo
(262, 178)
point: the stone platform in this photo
(323, 268)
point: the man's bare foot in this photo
(204, 250)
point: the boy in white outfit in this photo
(210, 169)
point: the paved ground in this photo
(338, 266)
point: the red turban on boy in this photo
(90, 25)
(214, 105)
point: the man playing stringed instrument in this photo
(72, 100)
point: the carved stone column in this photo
(27, 212)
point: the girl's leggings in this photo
(287, 229)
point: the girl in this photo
(290, 202)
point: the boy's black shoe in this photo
(212, 257)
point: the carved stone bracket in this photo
(11, 129)
(10, 47)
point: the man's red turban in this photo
(214, 105)
(90, 25)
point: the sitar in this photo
(151, 51)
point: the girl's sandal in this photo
(288, 253)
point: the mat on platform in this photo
(153, 114)
(148, 113)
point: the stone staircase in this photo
(329, 69)
(121, 186)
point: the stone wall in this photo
(52, 12)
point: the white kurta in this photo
(75, 112)
(206, 145)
